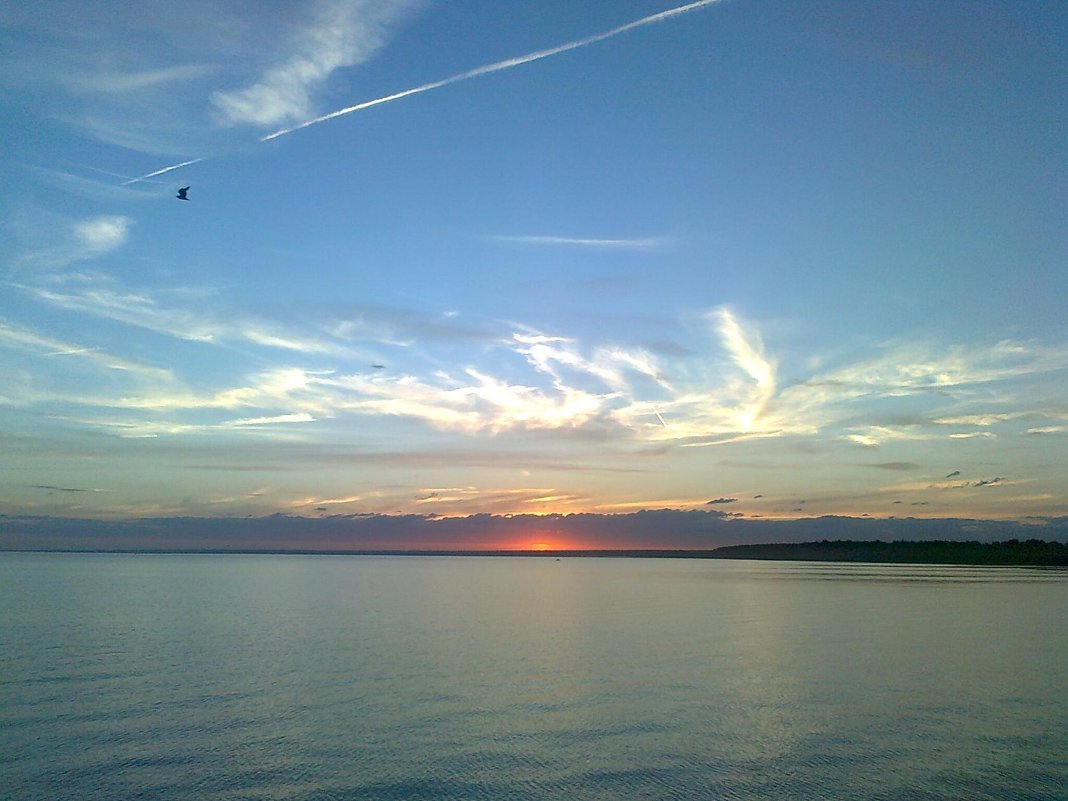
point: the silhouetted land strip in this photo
(939, 552)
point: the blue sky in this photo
(771, 259)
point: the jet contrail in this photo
(498, 66)
(115, 174)
(660, 417)
(463, 76)
(160, 172)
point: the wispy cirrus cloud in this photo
(910, 369)
(470, 401)
(342, 331)
(142, 428)
(139, 309)
(173, 79)
(466, 500)
(116, 82)
(132, 77)
(299, 417)
(339, 34)
(79, 240)
(1041, 430)
(987, 419)
(957, 385)
(163, 312)
(747, 352)
(955, 486)
(899, 466)
(49, 347)
(729, 399)
(724, 391)
(560, 357)
(404, 327)
(54, 488)
(874, 436)
(91, 183)
(640, 243)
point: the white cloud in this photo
(101, 234)
(730, 393)
(515, 405)
(989, 419)
(341, 34)
(874, 436)
(747, 351)
(300, 417)
(549, 355)
(79, 241)
(479, 403)
(724, 401)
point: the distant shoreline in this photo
(1010, 553)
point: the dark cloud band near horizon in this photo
(664, 529)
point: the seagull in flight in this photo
(182, 193)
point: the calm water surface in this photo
(335, 677)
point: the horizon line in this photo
(546, 552)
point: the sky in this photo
(759, 260)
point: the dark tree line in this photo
(937, 552)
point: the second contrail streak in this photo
(161, 172)
(472, 73)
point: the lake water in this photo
(372, 677)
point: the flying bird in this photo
(182, 193)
